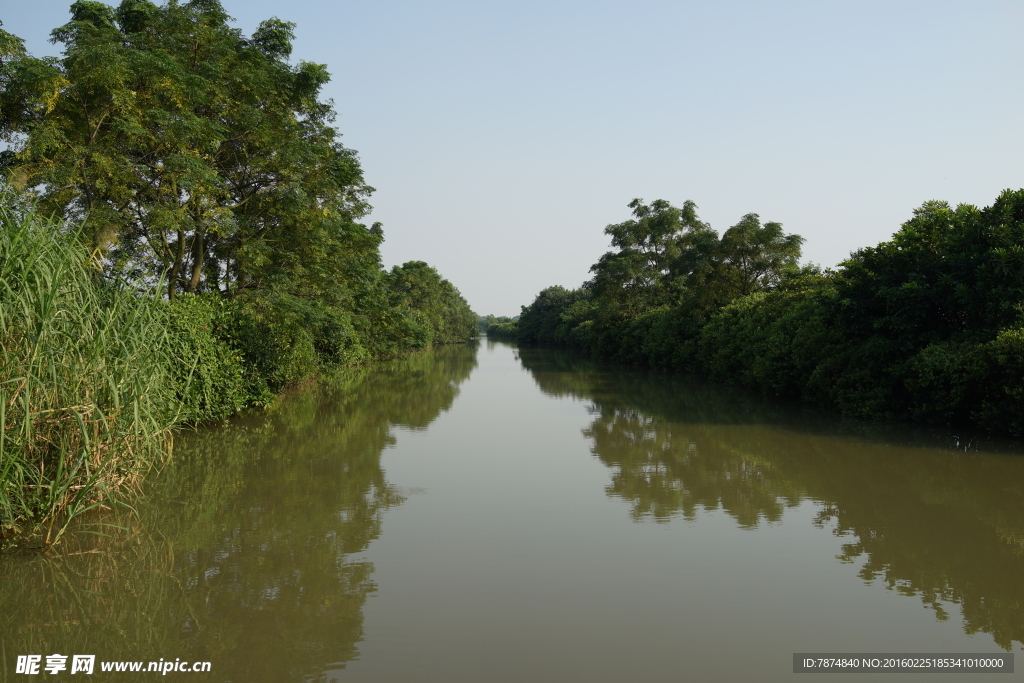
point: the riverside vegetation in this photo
(927, 326)
(180, 238)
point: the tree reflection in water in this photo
(925, 514)
(240, 553)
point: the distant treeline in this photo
(499, 327)
(926, 326)
(180, 238)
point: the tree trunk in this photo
(172, 279)
(197, 261)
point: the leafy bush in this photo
(1003, 406)
(208, 372)
(275, 334)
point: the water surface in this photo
(482, 513)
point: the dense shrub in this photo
(1003, 406)
(208, 372)
(542, 323)
(284, 340)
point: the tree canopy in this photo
(189, 149)
(667, 256)
(644, 270)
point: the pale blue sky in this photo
(503, 136)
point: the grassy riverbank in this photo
(88, 382)
(98, 373)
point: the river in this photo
(486, 513)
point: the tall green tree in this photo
(757, 256)
(191, 150)
(641, 273)
(667, 256)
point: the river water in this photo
(486, 513)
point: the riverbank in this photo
(99, 373)
(206, 248)
(928, 326)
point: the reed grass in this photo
(86, 402)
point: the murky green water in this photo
(487, 514)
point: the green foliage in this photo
(1003, 406)
(668, 257)
(946, 378)
(192, 161)
(191, 153)
(500, 327)
(945, 273)
(96, 374)
(284, 340)
(208, 371)
(541, 322)
(435, 311)
(642, 273)
(757, 256)
(925, 326)
(772, 340)
(189, 150)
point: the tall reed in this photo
(86, 403)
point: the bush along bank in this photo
(96, 374)
(927, 326)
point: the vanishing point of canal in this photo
(484, 513)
